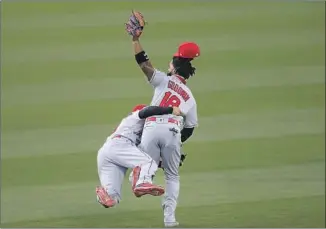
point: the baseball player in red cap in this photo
(163, 135)
(120, 152)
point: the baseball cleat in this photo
(103, 198)
(171, 224)
(148, 189)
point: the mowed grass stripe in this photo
(202, 157)
(113, 88)
(218, 128)
(272, 213)
(98, 33)
(111, 111)
(233, 186)
(72, 14)
(107, 18)
(49, 50)
(126, 68)
(262, 124)
(275, 213)
(225, 57)
(122, 50)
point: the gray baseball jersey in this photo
(131, 127)
(172, 91)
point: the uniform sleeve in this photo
(191, 117)
(186, 134)
(154, 110)
(158, 78)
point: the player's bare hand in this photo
(176, 111)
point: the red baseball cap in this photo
(139, 107)
(188, 50)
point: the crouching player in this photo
(120, 152)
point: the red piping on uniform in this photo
(170, 120)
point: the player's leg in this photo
(144, 167)
(111, 177)
(170, 162)
(149, 146)
(150, 142)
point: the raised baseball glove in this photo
(135, 24)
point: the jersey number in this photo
(170, 100)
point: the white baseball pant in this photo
(113, 160)
(162, 139)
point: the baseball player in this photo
(163, 135)
(120, 152)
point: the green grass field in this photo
(69, 76)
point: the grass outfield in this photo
(69, 76)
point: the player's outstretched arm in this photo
(134, 28)
(156, 110)
(142, 59)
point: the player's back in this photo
(130, 127)
(173, 91)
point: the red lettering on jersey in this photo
(175, 87)
(170, 100)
